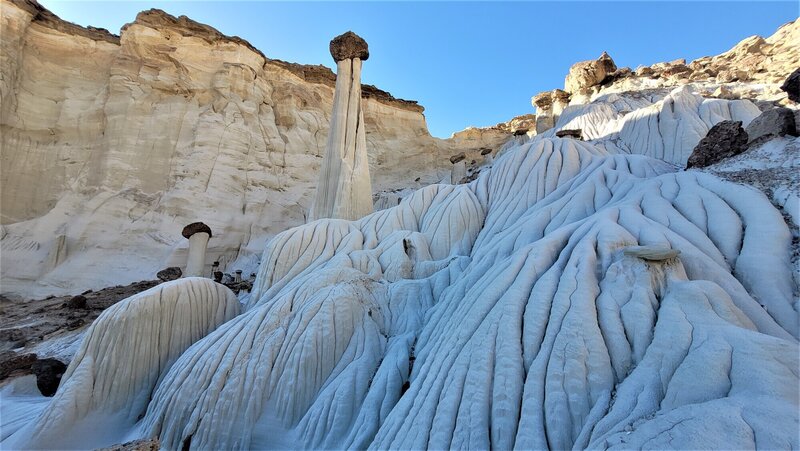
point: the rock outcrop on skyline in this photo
(113, 143)
(754, 69)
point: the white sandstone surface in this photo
(112, 144)
(576, 294)
(508, 312)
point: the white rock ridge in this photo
(515, 311)
(345, 189)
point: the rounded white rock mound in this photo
(125, 352)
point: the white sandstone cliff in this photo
(110, 145)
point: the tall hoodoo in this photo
(198, 235)
(459, 169)
(345, 190)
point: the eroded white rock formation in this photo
(117, 142)
(124, 355)
(345, 189)
(516, 311)
(577, 294)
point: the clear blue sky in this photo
(468, 63)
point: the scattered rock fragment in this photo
(652, 252)
(136, 445)
(456, 158)
(77, 302)
(792, 86)
(724, 140)
(171, 273)
(48, 375)
(771, 124)
(722, 92)
(570, 133)
(48, 372)
(13, 364)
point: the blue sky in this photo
(468, 63)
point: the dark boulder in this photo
(771, 124)
(48, 372)
(456, 158)
(171, 273)
(792, 86)
(77, 302)
(48, 375)
(724, 140)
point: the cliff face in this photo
(112, 144)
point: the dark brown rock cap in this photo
(348, 46)
(456, 158)
(195, 227)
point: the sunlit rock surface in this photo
(576, 294)
(113, 143)
(345, 190)
(513, 311)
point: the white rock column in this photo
(345, 189)
(198, 235)
(488, 158)
(459, 169)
